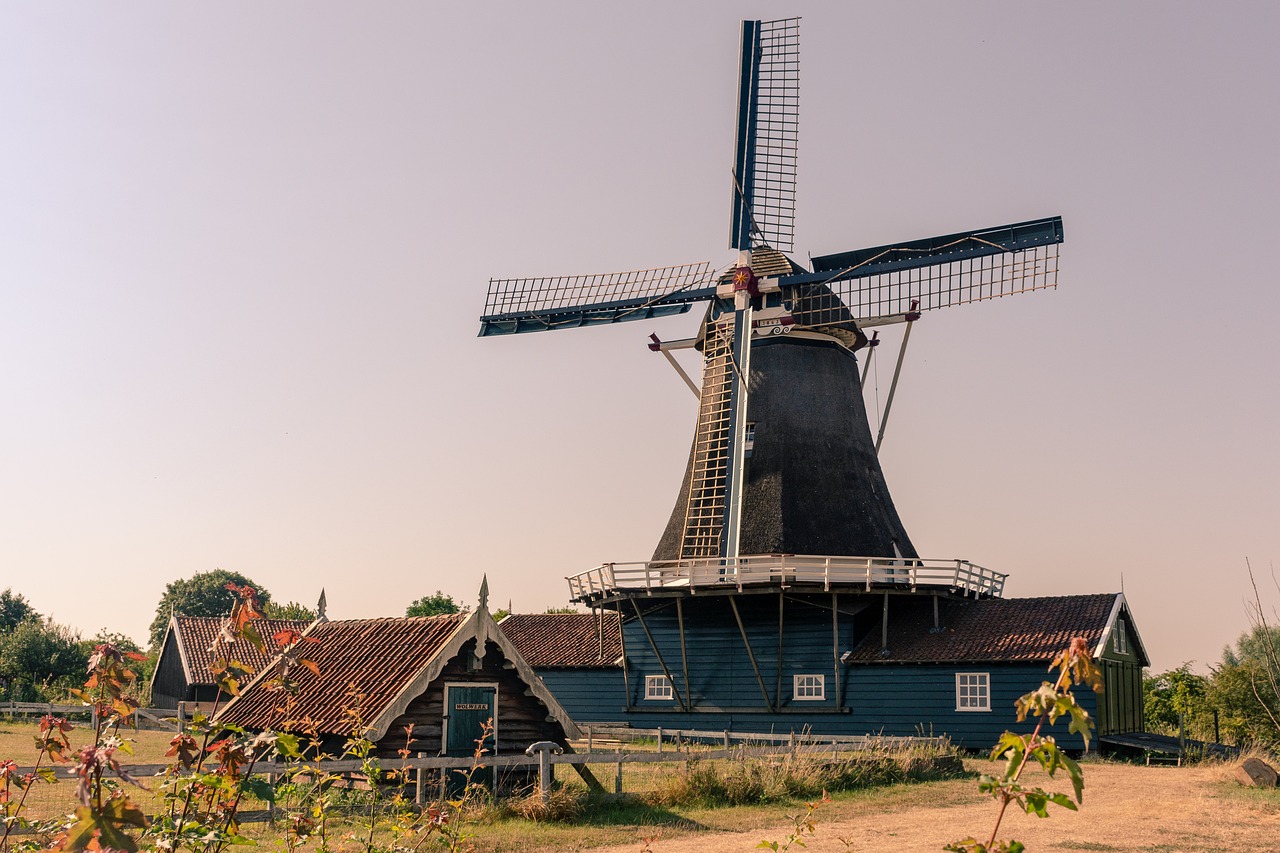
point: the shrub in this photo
(563, 804)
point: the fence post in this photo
(182, 717)
(659, 738)
(419, 783)
(791, 743)
(544, 775)
(726, 739)
(617, 783)
(589, 740)
(272, 779)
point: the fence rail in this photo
(164, 718)
(785, 570)
(429, 771)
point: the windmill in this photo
(780, 386)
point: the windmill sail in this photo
(764, 186)
(516, 305)
(954, 269)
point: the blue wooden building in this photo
(798, 665)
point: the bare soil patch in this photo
(1126, 808)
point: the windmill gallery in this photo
(785, 592)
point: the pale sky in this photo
(243, 247)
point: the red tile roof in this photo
(196, 634)
(565, 639)
(988, 630)
(380, 657)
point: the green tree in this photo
(1244, 688)
(38, 657)
(433, 605)
(202, 594)
(13, 610)
(292, 610)
(1178, 696)
(561, 610)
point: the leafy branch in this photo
(1047, 704)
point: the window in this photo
(809, 687)
(658, 687)
(749, 439)
(1121, 644)
(973, 691)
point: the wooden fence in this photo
(160, 718)
(681, 746)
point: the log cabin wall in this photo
(522, 718)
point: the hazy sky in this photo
(243, 247)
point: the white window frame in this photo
(808, 687)
(977, 691)
(657, 688)
(1121, 643)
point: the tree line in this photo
(41, 660)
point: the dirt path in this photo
(1126, 808)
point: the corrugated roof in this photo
(380, 657)
(565, 639)
(196, 634)
(987, 630)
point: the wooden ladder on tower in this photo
(704, 512)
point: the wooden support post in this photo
(726, 737)
(884, 623)
(662, 663)
(182, 717)
(755, 667)
(659, 739)
(684, 654)
(935, 611)
(617, 783)
(777, 693)
(420, 783)
(622, 641)
(589, 740)
(838, 684)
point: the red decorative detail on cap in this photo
(745, 279)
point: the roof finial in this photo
(320, 607)
(484, 593)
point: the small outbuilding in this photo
(957, 668)
(184, 670)
(456, 679)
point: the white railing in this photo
(785, 570)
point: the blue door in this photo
(470, 721)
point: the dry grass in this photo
(1127, 808)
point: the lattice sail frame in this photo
(925, 288)
(773, 202)
(548, 302)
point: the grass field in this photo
(602, 822)
(1194, 809)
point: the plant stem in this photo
(1005, 796)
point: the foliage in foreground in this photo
(1045, 705)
